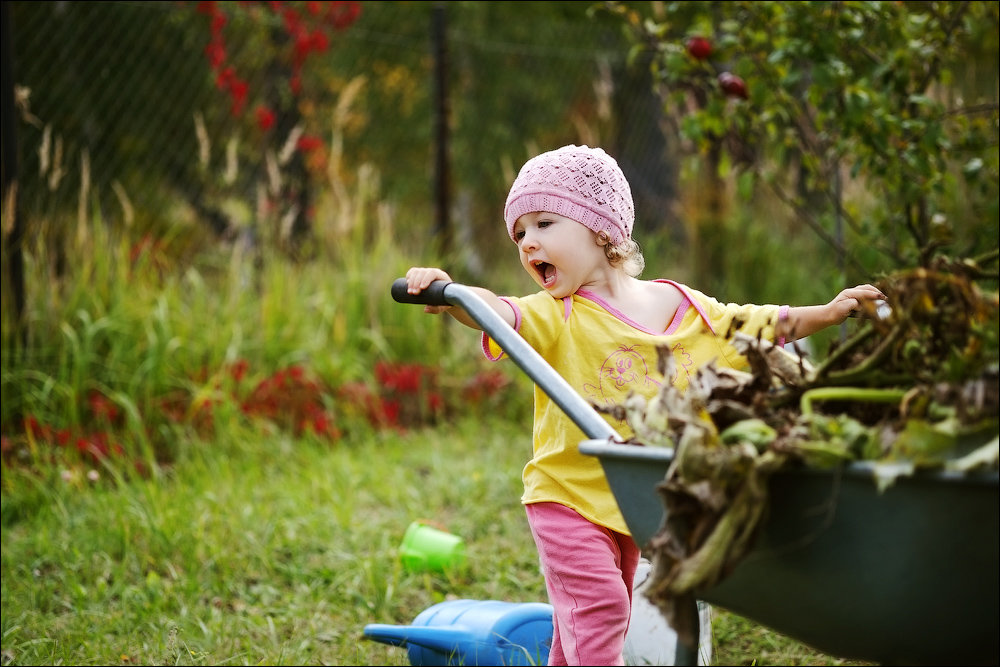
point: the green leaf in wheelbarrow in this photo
(924, 444)
(986, 457)
(929, 443)
(824, 441)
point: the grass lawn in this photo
(262, 549)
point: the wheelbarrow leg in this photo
(686, 654)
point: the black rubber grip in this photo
(432, 296)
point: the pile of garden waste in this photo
(912, 388)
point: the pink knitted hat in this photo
(578, 182)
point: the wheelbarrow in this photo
(908, 575)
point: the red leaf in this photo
(308, 143)
(265, 118)
(342, 14)
(216, 54)
(320, 42)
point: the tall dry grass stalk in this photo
(232, 161)
(84, 199)
(9, 210)
(128, 211)
(345, 217)
(204, 143)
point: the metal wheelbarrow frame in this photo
(905, 576)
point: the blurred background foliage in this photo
(867, 120)
(129, 86)
(873, 125)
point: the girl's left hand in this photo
(849, 300)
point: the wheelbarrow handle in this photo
(432, 296)
(445, 293)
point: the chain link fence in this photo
(243, 117)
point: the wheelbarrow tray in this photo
(908, 575)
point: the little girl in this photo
(570, 212)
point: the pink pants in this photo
(589, 572)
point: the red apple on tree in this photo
(699, 47)
(733, 85)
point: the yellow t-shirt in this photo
(604, 355)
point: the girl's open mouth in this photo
(547, 272)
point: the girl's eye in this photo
(518, 235)
(544, 223)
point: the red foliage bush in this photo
(400, 396)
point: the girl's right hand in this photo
(419, 278)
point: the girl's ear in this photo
(603, 239)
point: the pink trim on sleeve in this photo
(782, 316)
(486, 349)
(517, 327)
(679, 315)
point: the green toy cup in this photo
(425, 548)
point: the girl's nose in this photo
(528, 241)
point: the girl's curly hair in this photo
(626, 254)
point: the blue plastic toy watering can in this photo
(473, 632)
